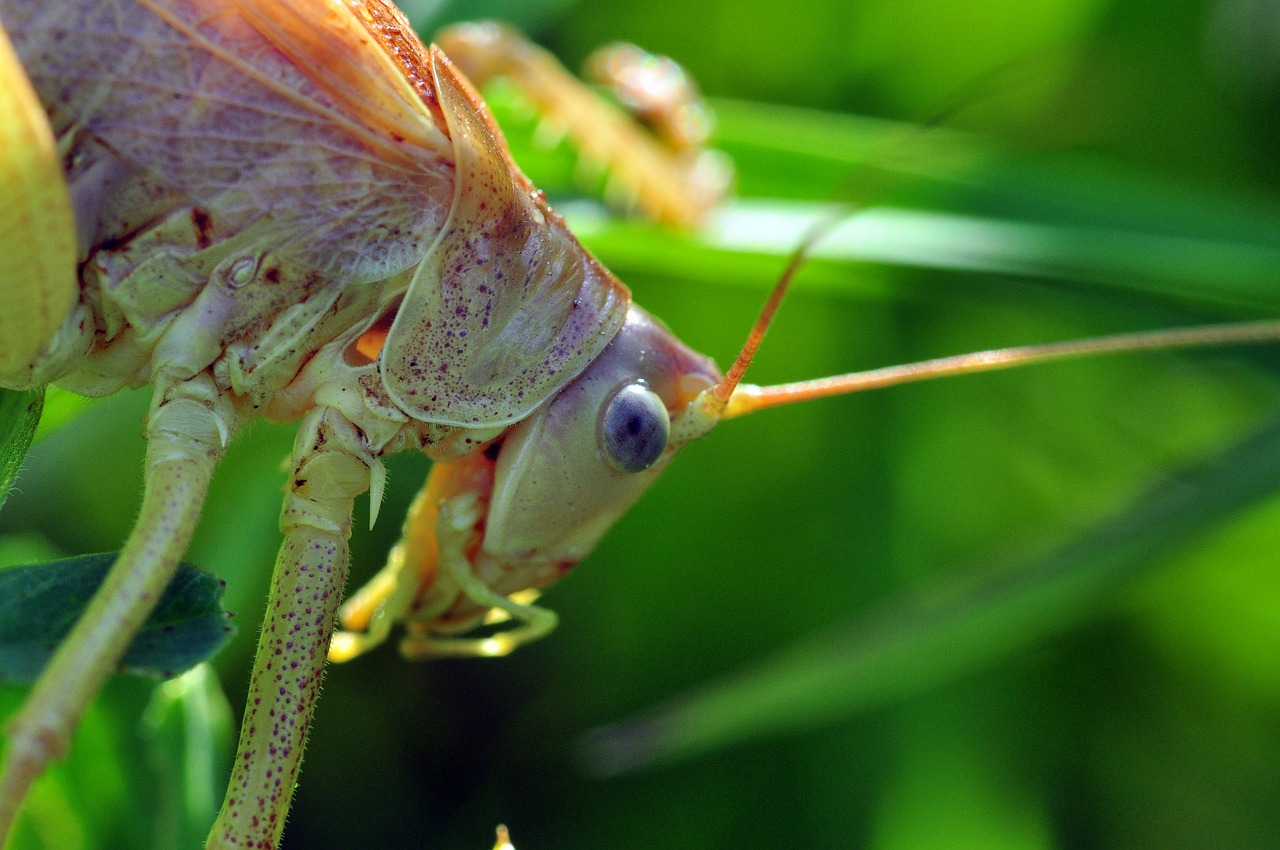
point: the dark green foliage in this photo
(39, 603)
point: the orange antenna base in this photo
(721, 393)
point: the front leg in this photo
(435, 582)
(456, 537)
(331, 467)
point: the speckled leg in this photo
(188, 430)
(331, 468)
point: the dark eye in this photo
(633, 429)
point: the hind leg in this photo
(331, 468)
(187, 432)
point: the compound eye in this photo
(633, 429)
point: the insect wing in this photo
(205, 109)
(507, 308)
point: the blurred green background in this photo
(1035, 609)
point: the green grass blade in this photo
(19, 415)
(919, 642)
(190, 743)
(930, 198)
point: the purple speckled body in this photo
(258, 185)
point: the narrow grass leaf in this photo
(916, 643)
(19, 415)
(188, 727)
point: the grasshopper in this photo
(307, 215)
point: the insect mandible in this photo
(406, 289)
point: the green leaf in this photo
(19, 414)
(40, 603)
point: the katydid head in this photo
(493, 526)
(568, 471)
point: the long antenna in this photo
(720, 395)
(748, 397)
(731, 397)
(717, 400)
